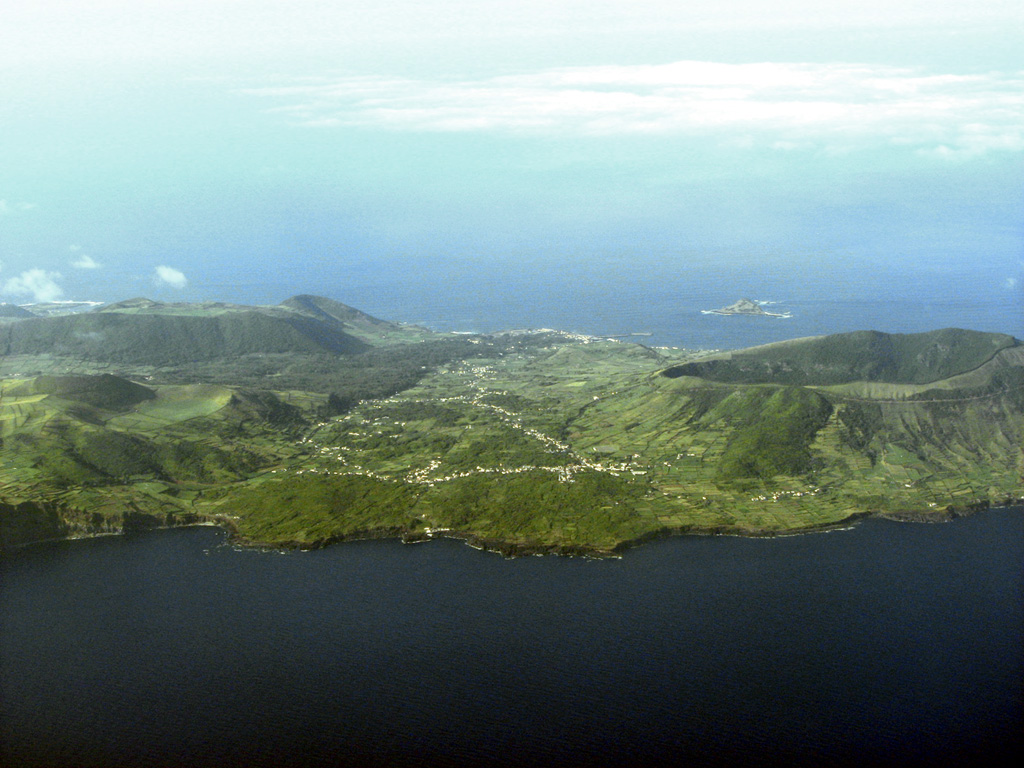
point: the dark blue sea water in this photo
(884, 644)
(662, 297)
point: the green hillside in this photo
(328, 309)
(95, 451)
(776, 435)
(917, 358)
(13, 312)
(103, 391)
(356, 323)
(157, 339)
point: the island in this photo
(745, 307)
(311, 422)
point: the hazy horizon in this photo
(245, 151)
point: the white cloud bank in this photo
(783, 105)
(169, 276)
(85, 261)
(37, 283)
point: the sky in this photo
(243, 150)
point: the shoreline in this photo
(511, 550)
(780, 315)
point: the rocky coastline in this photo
(136, 523)
(745, 307)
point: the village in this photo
(333, 443)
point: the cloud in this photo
(6, 208)
(1010, 283)
(37, 283)
(779, 105)
(120, 30)
(169, 276)
(85, 261)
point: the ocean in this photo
(662, 298)
(884, 644)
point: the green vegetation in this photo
(776, 438)
(312, 422)
(918, 358)
(159, 340)
(311, 511)
(103, 391)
